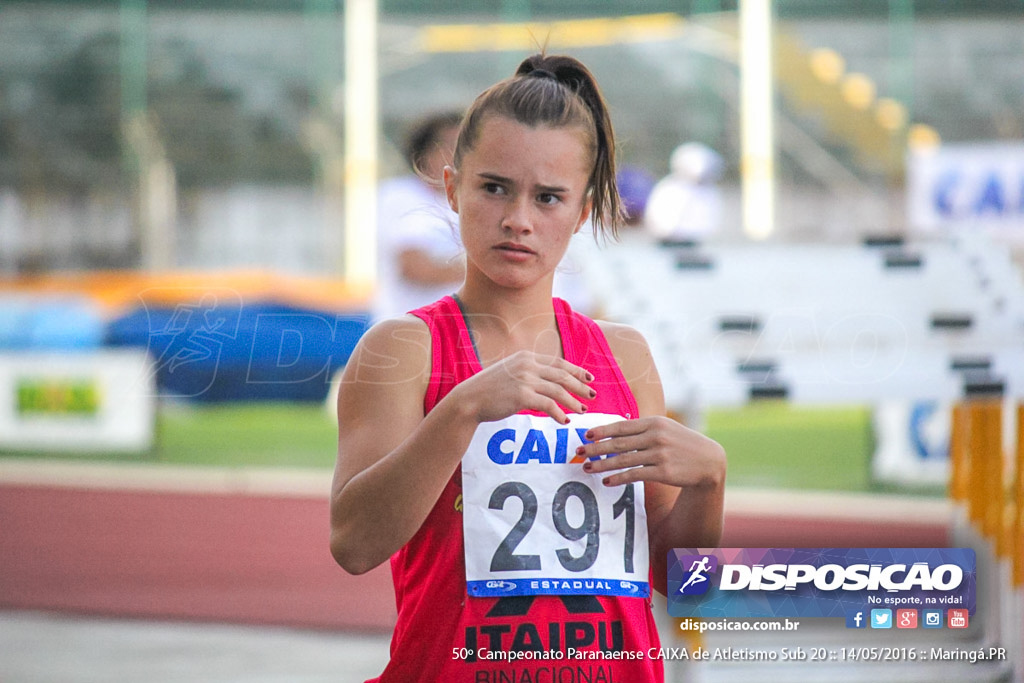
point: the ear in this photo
(451, 178)
(588, 204)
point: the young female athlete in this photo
(512, 457)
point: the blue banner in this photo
(817, 582)
(554, 586)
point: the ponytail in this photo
(557, 91)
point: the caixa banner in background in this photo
(967, 187)
(817, 582)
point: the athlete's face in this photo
(520, 193)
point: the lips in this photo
(515, 247)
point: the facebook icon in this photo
(856, 619)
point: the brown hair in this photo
(556, 91)
(426, 135)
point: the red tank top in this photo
(440, 628)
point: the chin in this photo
(513, 280)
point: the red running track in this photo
(264, 559)
(218, 557)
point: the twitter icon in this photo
(881, 618)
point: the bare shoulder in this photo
(633, 355)
(394, 354)
(380, 398)
(629, 347)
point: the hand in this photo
(657, 449)
(527, 381)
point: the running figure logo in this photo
(696, 581)
(188, 341)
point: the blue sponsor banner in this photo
(817, 582)
(970, 187)
(503, 587)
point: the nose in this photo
(517, 218)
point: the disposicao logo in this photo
(836, 577)
(818, 582)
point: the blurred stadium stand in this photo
(237, 91)
(819, 323)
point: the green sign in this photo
(58, 396)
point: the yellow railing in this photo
(987, 487)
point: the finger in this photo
(523, 366)
(623, 444)
(558, 393)
(617, 429)
(629, 476)
(546, 404)
(617, 462)
(572, 377)
(577, 371)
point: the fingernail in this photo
(607, 482)
(583, 408)
(590, 378)
(587, 466)
(581, 450)
(589, 435)
(593, 393)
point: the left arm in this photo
(683, 471)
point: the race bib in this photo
(536, 524)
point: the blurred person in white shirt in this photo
(686, 205)
(419, 254)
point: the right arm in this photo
(394, 461)
(419, 267)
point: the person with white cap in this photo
(686, 205)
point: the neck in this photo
(507, 320)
